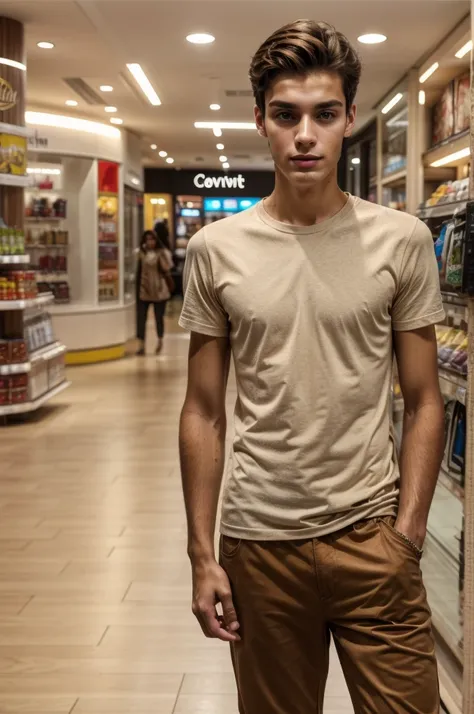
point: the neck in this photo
(305, 206)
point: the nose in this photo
(305, 135)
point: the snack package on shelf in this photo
(455, 257)
(442, 247)
(13, 351)
(18, 285)
(13, 389)
(39, 332)
(448, 342)
(459, 358)
(12, 240)
(449, 192)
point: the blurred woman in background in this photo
(154, 286)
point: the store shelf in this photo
(14, 259)
(12, 180)
(453, 386)
(20, 368)
(448, 147)
(12, 409)
(442, 210)
(49, 352)
(44, 219)
(15, 130)
(396, 179)
(451, 484)
(43, 246)
(40, 301)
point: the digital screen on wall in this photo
(228, 205)
(451, 114)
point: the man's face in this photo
(305, 123)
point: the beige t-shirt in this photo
(310, 313)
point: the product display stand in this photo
(32, 367)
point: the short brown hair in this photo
(300, 47)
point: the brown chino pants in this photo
(363, 585)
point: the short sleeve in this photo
(418, 301)
(202, 311)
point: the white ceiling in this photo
(96, 39)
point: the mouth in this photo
(306, 161)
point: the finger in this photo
(212, 627)
(229, 613)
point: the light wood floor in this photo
(94, 580)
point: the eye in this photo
(327, 116)
(284, 116)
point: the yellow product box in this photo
(13, 154)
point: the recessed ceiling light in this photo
(220, 147)
(392, 103)
(216, 130)
(356, 161)
(169, 160)
(163, 154)
(226, 166)
(372, 38)
(72, 103)
(45, 45)
(215, 107)
(153, 147)
(106, 88)
(200, 38)
(464, 50)
(162, 201)
(116, 120)
(144, 83)
(111, 110)
(154, 201)
(223, 159)
(431, 70)
(219, 125)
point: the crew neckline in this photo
(305, 230)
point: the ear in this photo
(260, 122)
(350, 121)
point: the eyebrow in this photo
(331, 104)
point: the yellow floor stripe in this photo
(102, 354)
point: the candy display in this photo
(18, 285)
(448, 192)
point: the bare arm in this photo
(202, 452)
(423, 429)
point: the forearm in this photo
(202, 453)
(420, 460)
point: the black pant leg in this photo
(160, 308)
(142, 312)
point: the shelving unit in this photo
(32, 367)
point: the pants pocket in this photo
(229, 547)
(408, 545)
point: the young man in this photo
(322, 528)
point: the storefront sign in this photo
(8, 95)
(37, 142)
(203, 181)
(209, 183)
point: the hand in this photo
(211, 586)
(412, 530)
